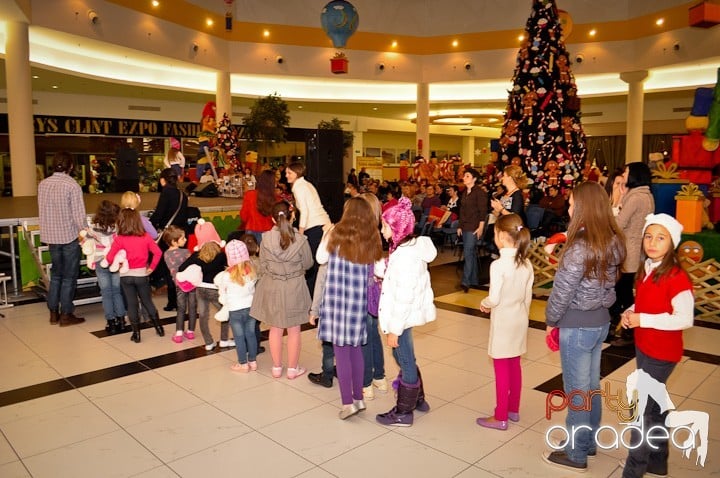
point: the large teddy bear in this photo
(89, 247)
(119, 263)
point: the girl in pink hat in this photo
(406, 301)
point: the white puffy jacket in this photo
(406, 299)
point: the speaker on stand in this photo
(325, 169)
(128, 172)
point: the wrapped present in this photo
(339, 64)
(666, 184)
(704, 15)
(689, 208)
(690, 151)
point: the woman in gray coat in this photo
(637, 202)
(281, 297)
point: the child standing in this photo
(282, 299)
(174, 256)
(211, 260)
(664, 307)
(103, 229)
(138, 246)
(236, 287)
(254, 251)
(508, 301)
(348, 249)
(406, 301)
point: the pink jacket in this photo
(138, 248)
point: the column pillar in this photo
(223, 98)
(20, 114)
(635, 105)
(468, 150)
(422, 121)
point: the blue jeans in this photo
(404, 355)
(580, 359)
(470, 267)
(373, 353)
(243, 328)
(65, 260)
(111, 292)
(328, 360)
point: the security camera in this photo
(676, 46)
(280, 60)
(468, 65)
(195, 47)
(579, 58)
(93, 17)
(381, 66)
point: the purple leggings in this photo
(350, 371)
(508, 382)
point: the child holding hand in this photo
(508, 302)
(174, 256)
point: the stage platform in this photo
(26, 207)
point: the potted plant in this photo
(267, 120)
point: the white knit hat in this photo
(669, 223)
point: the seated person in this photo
(207, 177)
(430, 200)
(553, 202)
(351, 190)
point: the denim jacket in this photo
(576, 301)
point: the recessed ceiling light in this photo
(266, 33)
(300, 107)
(375, 108)
(394, 44)
(455, 43)
(209, 22)
(592, 32)
(659, 22)
(521, 37)
(35, 77)
(155, 3)
(55, 87)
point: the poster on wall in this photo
(373, 166)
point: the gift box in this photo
(690, 208)
(704, 15)
(714, 211)
(688, 152)
(339, 64)
(664, 191)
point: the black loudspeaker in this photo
(122, 185)
(127, 164)
(325, 168)
(206, 190)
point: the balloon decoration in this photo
(339, 20)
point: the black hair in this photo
(63, 162)
(170, 176)
(638, 175)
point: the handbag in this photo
(172, 218)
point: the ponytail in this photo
(512, 225)
(283, 221)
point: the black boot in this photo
(401, 414)
(110, 326)
(422, 405)
(119, 325)
(135, 337)
(156, 323)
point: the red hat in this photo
(209, 109)
(205, 232)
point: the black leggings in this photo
(137, 290)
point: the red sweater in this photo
(138, 248)
(251, 217)
(655, 298)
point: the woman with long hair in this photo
(256, 210)
(583, 290)
(512, 202)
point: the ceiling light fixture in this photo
(592, 32)
(35, 77)
(394, 44)
(659, 22)
(266, 33)
(55, 87)
(521, 37)
(155, 3)
(455, 43)
(209, 22)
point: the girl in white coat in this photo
(406, 301)
(508, 301)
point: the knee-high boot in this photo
(422, 405)
(401, 414)
(156, 323)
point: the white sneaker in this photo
(227, 343)
(209, 347)
(381, 384)
(368, 393)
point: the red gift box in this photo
(691, 154)
(704, 15)
(714, 207)
(339, 65)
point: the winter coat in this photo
(637, 203)
(281, 296)
(406, 299)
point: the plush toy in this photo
(119, 263)
(222, 315)
(89, 246)
(206, 140)
(190, 278)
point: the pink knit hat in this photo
(236, 252)
(205, 232)
(401, 220)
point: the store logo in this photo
(639, 387)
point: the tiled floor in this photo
(75, 403)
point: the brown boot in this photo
(70, 319)
(54, 317)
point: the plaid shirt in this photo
(343, 311)
(62, 210)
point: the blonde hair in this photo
(209, 251)
(242, 271)
(517, 175)
(130, 200)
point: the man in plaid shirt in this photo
(62, 217)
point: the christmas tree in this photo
(542, 123)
